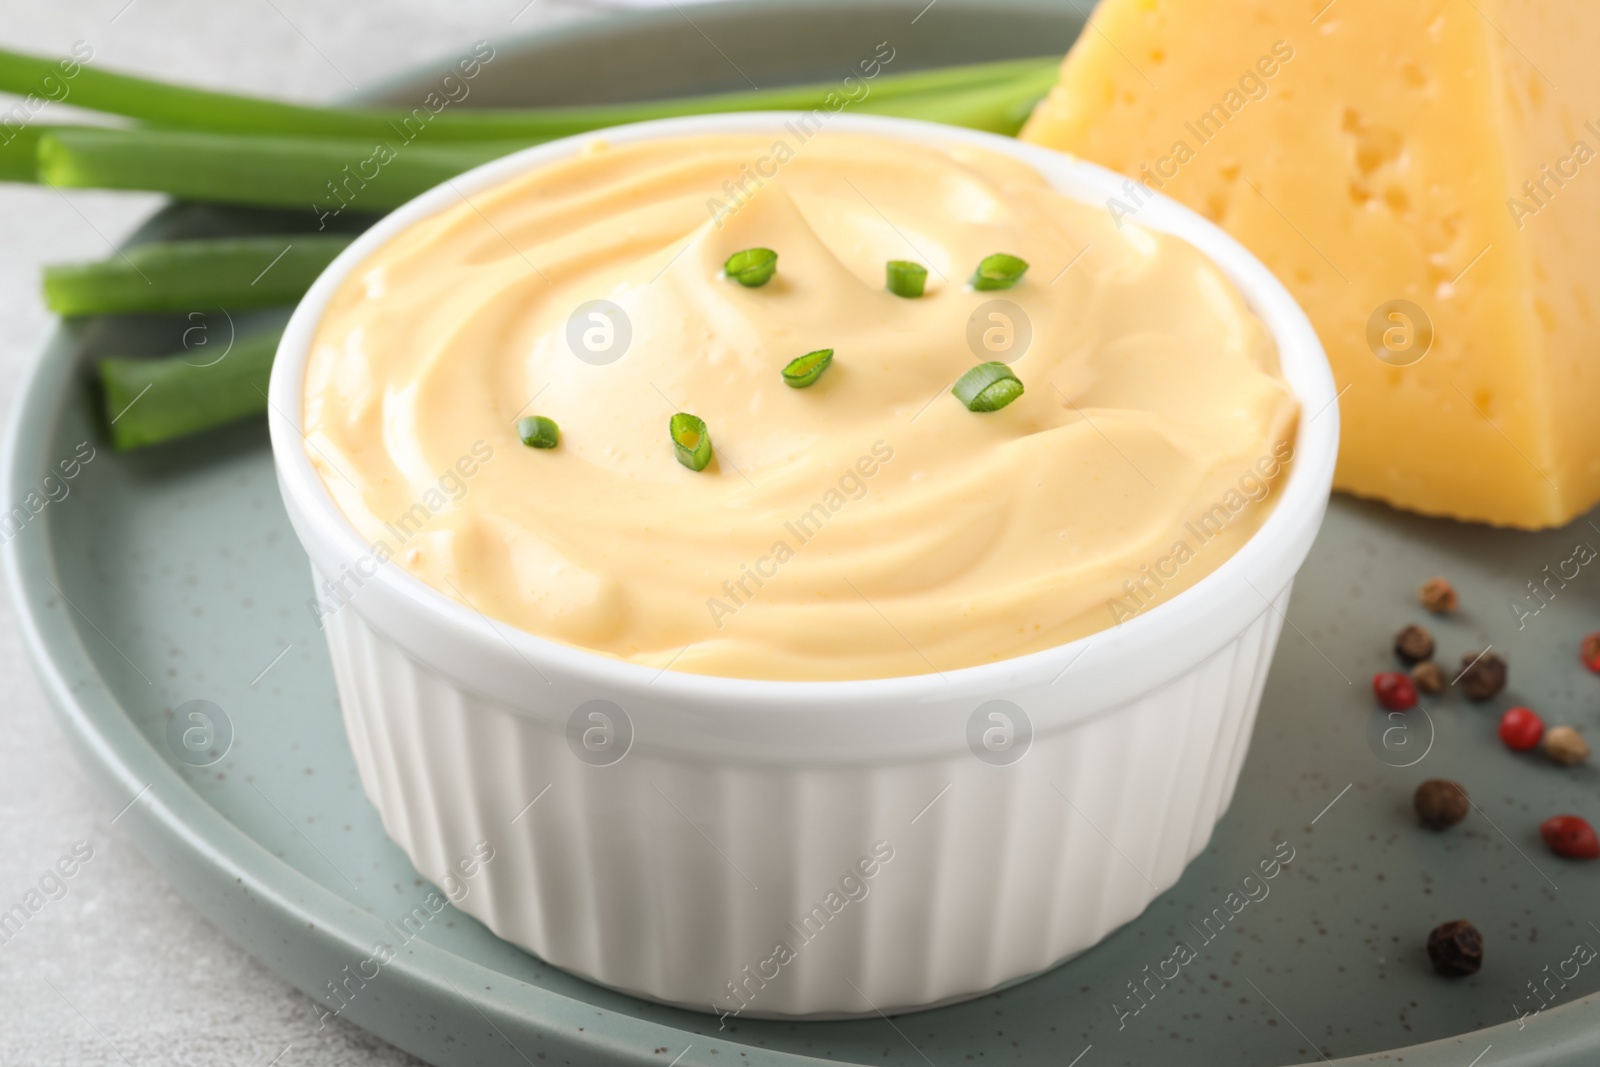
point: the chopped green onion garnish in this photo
(999, 271)
(808, 368)
(537, 431)
(905, 278)
(751, 268)
(987, 387)
(690, 440)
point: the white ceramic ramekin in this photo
(809, 848)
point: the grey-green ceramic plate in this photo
(170, 576)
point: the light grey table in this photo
(120, 970)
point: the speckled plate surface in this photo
(172, 576)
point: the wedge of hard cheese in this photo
(1407, 169)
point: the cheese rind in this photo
(1372, 154)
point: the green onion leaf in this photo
(987, 387)
(690, 440)
(807, 369)
(186, 395)
(231, 272)
(999, 271)
(537, 431)
(751, 268)
(905, 278)
(946, 94)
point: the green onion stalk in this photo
(18, 153)
(334, 174)
(231, 272)
(149, 401)
(328, 175)
(181, 107)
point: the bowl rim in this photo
(1300, 504)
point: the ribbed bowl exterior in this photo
(678, 877)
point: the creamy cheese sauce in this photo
(867, 526)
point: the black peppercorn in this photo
(1456, 948)
(1440, 804)
(1413, 645)
(1482, 677)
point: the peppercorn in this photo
(1589, 652)
(1455, 948)
(1439, 596)
(1566, 745)
(1482, 677)
(1428, 677)
(1394, 691)
(1413, 645)
(1521, 729)
(1570, 837)
(1440, 803)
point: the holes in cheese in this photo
(1377, 156)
